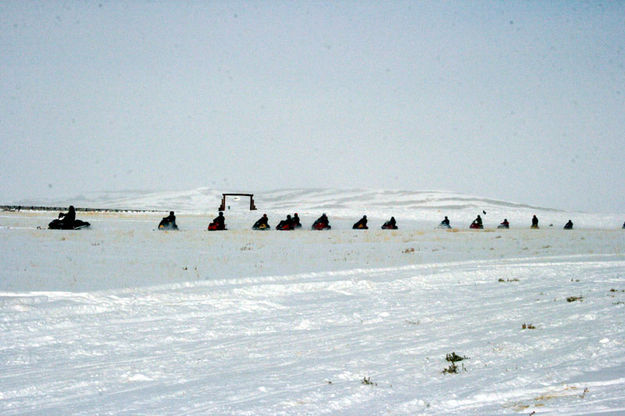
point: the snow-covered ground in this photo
(123, 319)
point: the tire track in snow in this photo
(357, 327)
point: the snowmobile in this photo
(568, 225)
(62, 225)
(390, 224)
(505, 224)
(296, 223)
(284, 226)
(361, 224)
(218, 224)
(261, 224)
(477, 223)
(444, 224)
(67, 221)
(166, 224)
(320, 225)
(213, 226)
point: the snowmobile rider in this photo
(505, 223)
(361, 224)
(285, 225)
(263, 222)
(170, 219)
(568, 225)
(220, 220)
(445, 222)
(390, 224)
(295, 221)
(478, 221)
(534, 221)
(219, 223)
(68, 218)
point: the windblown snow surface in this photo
(124, 319)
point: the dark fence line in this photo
(43, 208)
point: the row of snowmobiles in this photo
(68, 221)
(362, 224)
(321, 223)
(478, 225)
(290, 223)
(169, 223)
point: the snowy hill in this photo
(306, 200)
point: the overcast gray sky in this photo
(521, 101)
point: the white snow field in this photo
(123, 319)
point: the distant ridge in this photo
(389, 199)
(82, 209)
(204, 199)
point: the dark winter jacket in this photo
(70, 217)
(220, 220)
